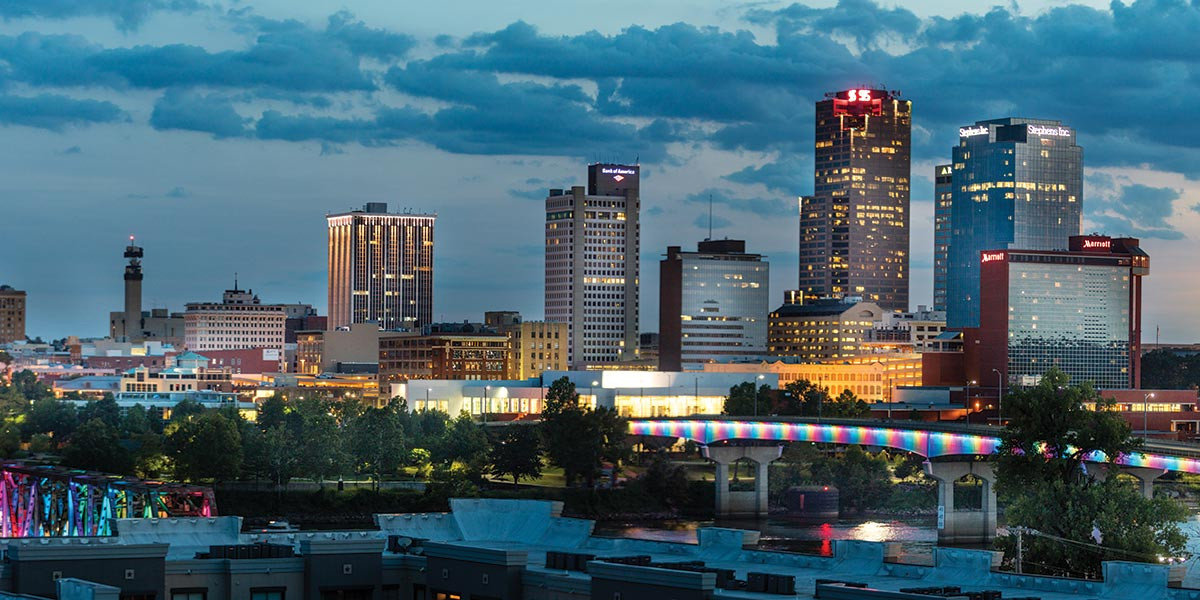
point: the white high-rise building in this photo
(592, 273)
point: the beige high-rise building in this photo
(380, 268)
(12, 314)
(592, 270)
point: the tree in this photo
(272, 412)
(516, 452)
(862, 480)
(802, 398)
(745, 400)
(465, 443)
(377, 441)
(10, 439)
(847, 405)
(207, 446)
(105, 409)
(577, 439)
(96, 446)
(136, 420)
(1042, 472)
(51, 416)
(185, 408)
(321, 449)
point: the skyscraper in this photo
(942, 200)
(592, 243)
(1017, 183)
(854, 228)
(380, 268)
(712, 305)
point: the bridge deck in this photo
(930, 439)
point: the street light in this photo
(760, 378)
(1146, 414)
(999, 397)
(592, 394)
(427, 390)
(968, 403)
(486, 398)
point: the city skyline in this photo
(233, 173)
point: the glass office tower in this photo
(943, 197)
(712, 305)
(854, 228)
(1017, 183)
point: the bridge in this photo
(953, 451)
(48, 501)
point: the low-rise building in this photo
(465, 355)
(536, 346)
(822, 329)
(191, 372)
(239, 322)
(347, 350)
(871, 377)
(633, 394)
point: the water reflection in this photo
(917, 535)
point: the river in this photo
(917, 535)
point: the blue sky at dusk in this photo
(221, 133)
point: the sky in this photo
(221, 133)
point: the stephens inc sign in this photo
(972, 131)
(1049, 130)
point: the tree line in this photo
(311, 436)
(800, 398)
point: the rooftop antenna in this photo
(709, 217)
(235, 281)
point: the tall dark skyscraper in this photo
(380, 268)
(854, 228)
(1017, 183)
(943, 198)
(592, 246)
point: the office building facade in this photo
(1078, 310)
(712, 305)
(468, 355)
(240, 321)
(822, 329)
(854, 229)
(592, 272)
(380, 268)
(1016, 183)
(12, 314)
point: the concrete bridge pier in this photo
(958, 526)
(730, 503)
(1145, 476)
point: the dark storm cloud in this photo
(1124, 77)
(284, 55)
(128, 14)
(54, 112)
(763, 207)
(789, 176)
(1133, 209)
(189, 111)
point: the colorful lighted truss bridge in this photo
(48, 501)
